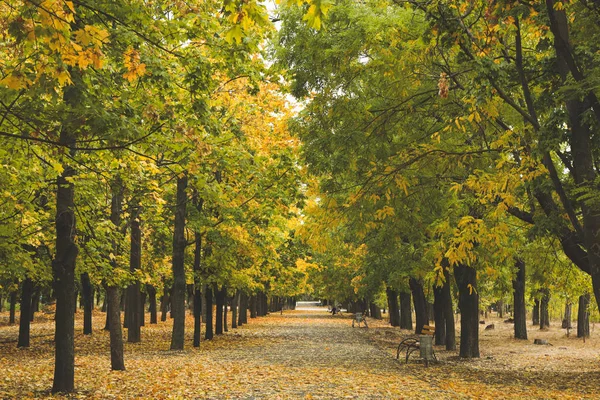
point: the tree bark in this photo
(164, 303)
(179, 243)
(253, 306)
(394, 311)
(439, 316)
(35, 301)
(152, 298)
(448, 313)
(468, 302)
(420, 304)
(63, 265)
(220, 299)
(520, 312)
(583, 316)
(197, 282)
(132, 307)
(234, 309)
(117, 359)
(243, 311)
(536, 312)
(112, 299)
(405, 311)
(566, 323)
(208, 296)
(544, 315)
(12, 308)
(25, 317)
(87, 295)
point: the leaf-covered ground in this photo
(302, 355)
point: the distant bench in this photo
(358, 319)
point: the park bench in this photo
(413, 343)
(359, 318)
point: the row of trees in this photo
(452, 143)
(144, 148)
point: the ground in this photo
(302, 354)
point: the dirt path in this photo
(302, 354)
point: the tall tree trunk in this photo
(117, 359)
(375, 310)
(394, 311)
(164, 303)
(208, 297)
(243, 311)
(536, 312)
(35, 301)
(1, 302)
(405, 311)
(87, 295)
(234, 309)
(420, 304)
(25, 317)
(12, 307)
(132, 308)
(520, 312)
(580, 110)
(468, 302)
(63, 265)
(143, 308)
(220, 298)
(448, 313)
(566, 323)
(225, 312)
(179, 243)
(583, 316)
(544, 314)
(197, 285)
(253, 306)
(500, 307)
(112, 299)
(152, 298)
(439, 316)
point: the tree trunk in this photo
(179, 243)
(253, 306)
(243, 310)
(197, 283)
(536, 312)
(143, 308)
(113, 306)
(132, 307)
(117, 360)
(448, 313)
(520, 312)
(152, 298)
(220, 300)
(225, 301)
(544, 315)
(583, 316)
(63, 265)
(405, 311)
(25, 317)
(35, 301)
(208, 296)
(420, 304)
(87, 295)
(13, 306)
(375, 310)
(468, 302)
(439, 316)
(394, 313)
(164, 303)
(234, 309)
(500, 307)
(566, 323)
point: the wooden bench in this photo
(359, 318)
(412, 343)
